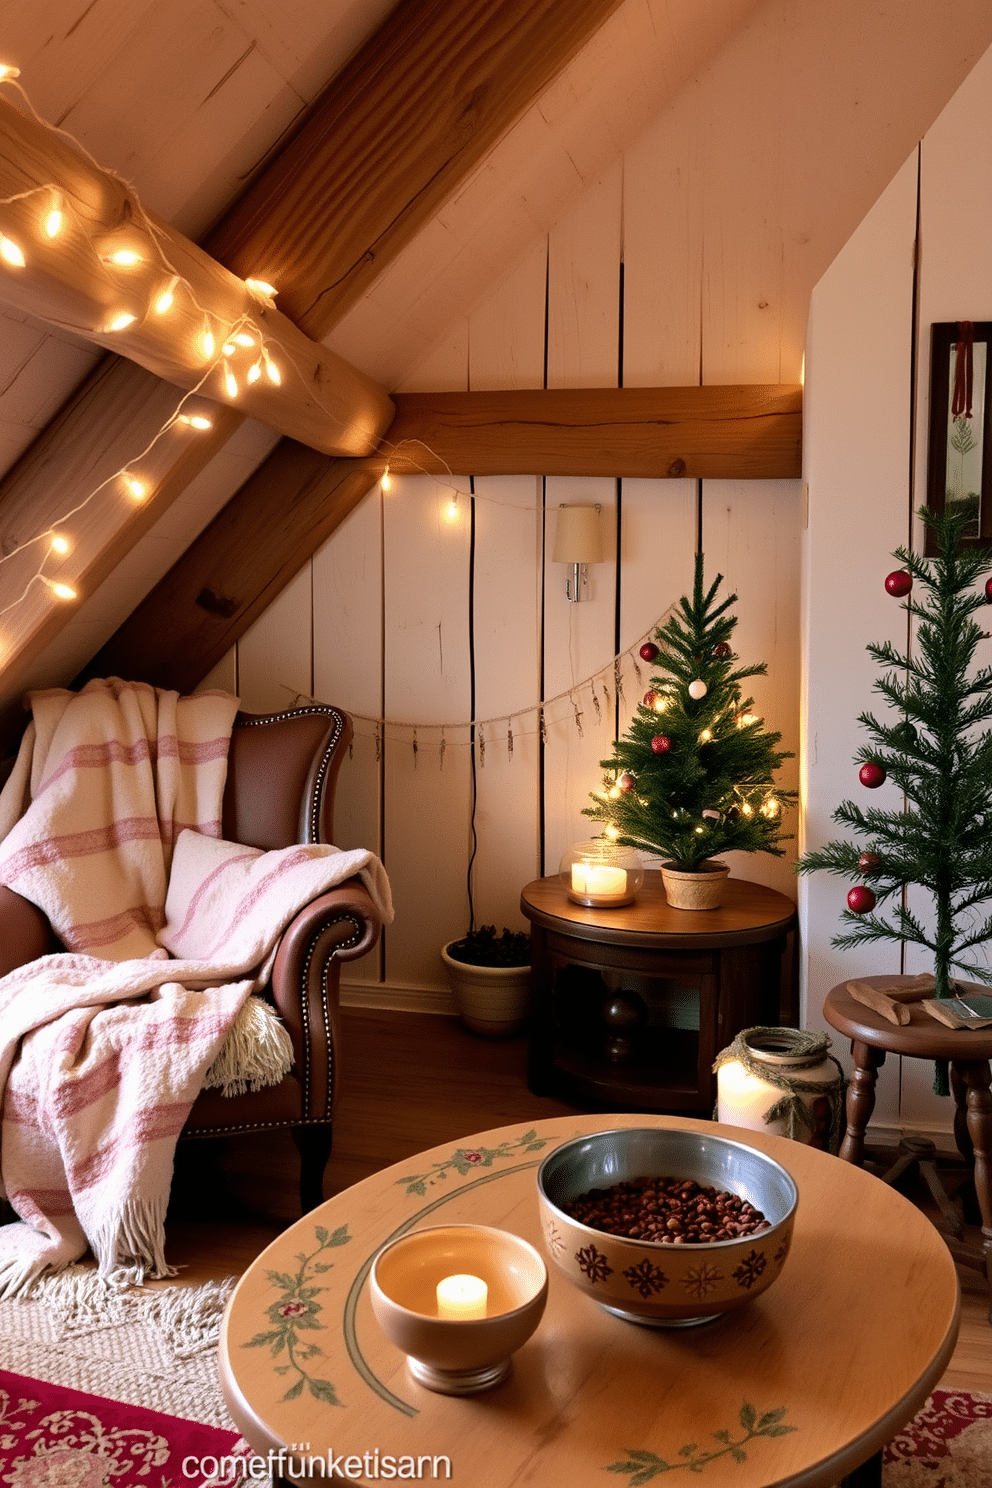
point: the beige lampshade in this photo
(578, 538)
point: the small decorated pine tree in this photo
(693, 775)
(938, 752)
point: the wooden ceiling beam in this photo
(81, 253)
(740, 432)
(292, 504)
(344, 196)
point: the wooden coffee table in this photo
(798, 1388)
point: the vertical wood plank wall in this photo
(865, 438)
(426, 621)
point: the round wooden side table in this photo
(631, 1005)
(968, 1051)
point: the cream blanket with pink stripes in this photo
(110, 823)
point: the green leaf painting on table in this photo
(295, 1312)
(465, 1160)
(642, 1466)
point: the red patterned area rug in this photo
(51, 1437)
(948, 1445)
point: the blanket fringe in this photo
(130, 1244)
(257, 1051)
(81, 1301)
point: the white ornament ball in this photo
(698, 689)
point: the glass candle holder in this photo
(600, 874)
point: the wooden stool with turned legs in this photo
(968, 1052)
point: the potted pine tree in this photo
(938, 751)
(489, 975)
(694, 774)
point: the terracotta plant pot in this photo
(700, 889)
(491, 1000)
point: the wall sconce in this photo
(578, 541)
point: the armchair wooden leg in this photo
(314, 1146)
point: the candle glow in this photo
(462, 1298)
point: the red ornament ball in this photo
(650, 698)
(988, 591)
(860, 899)
(723, 649)
(649, 651)
(868, 862)
(661, 743)
(899, 583)
(871, 775)
(626, 781)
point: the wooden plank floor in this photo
(409, 1082)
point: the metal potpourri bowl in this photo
(649, 1281)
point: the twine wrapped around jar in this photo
(784, 1059)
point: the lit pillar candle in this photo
(461, 1298)
(598, 879)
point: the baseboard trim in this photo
(890, 1134)
(397, 997)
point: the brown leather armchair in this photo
(282, 770)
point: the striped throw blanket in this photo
(111, 824)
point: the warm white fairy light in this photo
(194, 420)
(242, 338)
(61, 544)
(451, 510)
(8, 73)
(120, 322)
(261, 290)
(274, 374)
(230, 383)
(165, 300)
(706, 736)
(228, 349)
(61, 591)
(11, 252)
(254, 372)
(386, 480)
(125, 258)
(612, 833)
(136, 488)
(207, 343)
(54, 219)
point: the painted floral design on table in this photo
(295, 1312)
(465, 1160)
(642, 1466)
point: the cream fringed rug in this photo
(148, 1346)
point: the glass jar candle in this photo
(600, 874)
(784, 1082)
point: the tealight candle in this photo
(461, 1298)
(598, 879)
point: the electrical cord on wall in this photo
(473, 833)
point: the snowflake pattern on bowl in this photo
(782, 1251)
(594, 1263)
(702, 1279)
(750, 1269)
(646, 1278)
(555, 1239)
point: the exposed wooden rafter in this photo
(89, 256)
(732, 433)
(251, 550)
(392, 137)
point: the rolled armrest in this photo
(340, 925)
(25, 933)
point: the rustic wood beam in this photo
(400, 127)
(741, 432)
(292, 504)
(81, 253)
(236, 567)
(458, 76)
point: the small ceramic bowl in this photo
(645, 1281)
(458, 1357)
